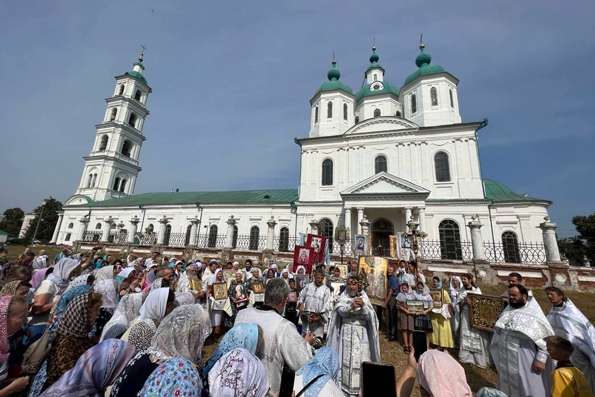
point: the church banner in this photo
(374, 269)
(318, 245)
(303, 256)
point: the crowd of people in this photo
(94, 324)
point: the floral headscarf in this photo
(238, 373)
(4, 345)
(243, 335)
(325, 363)
(176, 377)
(182, 333)
(95, 370)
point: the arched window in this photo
(450, 240)
(344, 111)
(150, 228)
(316, 115)
(375, 77)
(67, 238)
(113, 114)
(442, 167)
(254, 232)
(434, 96)
(376, 112)
(212, 243)
(121, 91)
(137, 95)
(103, 143)
(90, 180)
(510, 246)
(70, 225)
(356, 119)
(188, 235)
(452, 102)
(380, 164)
(123, 185)
(413, 103)
(329, 110)
(167, 235)
(116, 183)
(94, 180)
(327, 172)
(284, 239)
(98, 226)
(398, 114)
(234, 237)
(132, 120)
(127, 148)
(326, 230)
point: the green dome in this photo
(366, 91)
(374, 58)
(333, 73)
(425, 68)
(137, 75)
(423, 58)
(333, 83)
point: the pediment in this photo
(385, 183)
(382, 124)
(78, 199)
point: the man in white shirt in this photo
(283, 345)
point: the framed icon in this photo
(220, 291)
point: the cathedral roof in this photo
(366, 91)
(246, 197)
(424, 67)
(498, 192)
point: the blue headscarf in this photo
(326, 363)
(175, 377)
(241, 335)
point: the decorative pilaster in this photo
(421, 218)
(360, 218)
(107, 227)
(161, 237)
(548, 230)
(57, 228)
(229, 236)
(476, 240)
(270, 233)
(407, 217)
(133, 229)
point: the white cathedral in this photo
(371, 162)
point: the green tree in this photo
(580, 248)
(12, 221)
(49, 217)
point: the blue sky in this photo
(231, 82)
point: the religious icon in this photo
(318, 246)
(228, 275)
(343, 269)
(415, 306)
(303, 256)
(374, 268)
(484, 311)
(219, 291)
(436, 295)
(257, 287)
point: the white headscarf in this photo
(62, 270)
(126, 311)
(155, 305)
(126, 272)
(238, 373)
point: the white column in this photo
(407, 217)
(476, 239)
(348, 224)
(421, 218)
(270, 233)
(133, 229)
(360, 218)
(229, 236)
(57, 228)
(84, 222)
(548, 230)
(107, 226)
(161, 237)
(195, 222)
(365, 228)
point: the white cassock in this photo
(317, 300)
(474, 344)
(283, 345)
(353, 334)
(517, 342)
(570, 323)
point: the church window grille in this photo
(326, 230)
(316, 115)
(98, 226)
(510, 245)
(234, 237)
(127, 148)
(121, 91)
(398, 114)
(67, 238)
(327, 172)
(132, 120)
(376, 112)
(434, 96)
(344, 111)
(113, 114)
(103, 143)
(137, 95)
(450, 240)
(212, 242)
(254, 234)
(329, 110)
(380, 164)
(452, 102)
(413, 103)
(116, 184)
(123, 185)
(284, 239)
(442, 167)
(70, 225)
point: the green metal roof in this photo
(365, 91)
(498, 192)
(138, 76)
(258, 197)
(334, 83)
(423, 62)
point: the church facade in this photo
(373, 161)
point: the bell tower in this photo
(112, 166)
